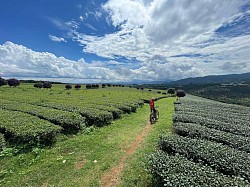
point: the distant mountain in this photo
(245, 77)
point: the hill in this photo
(245, 77)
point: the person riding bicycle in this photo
(152, 105)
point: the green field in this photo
(80, 153)
(102, 137)
(38, 115)
(209, 146)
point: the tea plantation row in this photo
(32, 116)
(209, 147)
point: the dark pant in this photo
(154, 111)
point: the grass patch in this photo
(135, 173)
(81, 160)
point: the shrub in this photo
(176, 170)
(38, 85)
(2, 82)
(171, 91)
(159, 92)
(70, 121)
(103, 85)
(25, 128)
(13, 82)
(68, 86)
(225, 159)
(193, 130)
(234, 128)
(47, 85)
(88, 86)
(180, 93)
(78, 86)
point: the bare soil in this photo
(113, 176)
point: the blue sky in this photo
(123, 40)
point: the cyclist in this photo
(152, 105)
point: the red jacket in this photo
(152, 103)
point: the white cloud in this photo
(127, 13)
(19, 61)
(159, 40)
(155, 32)
(81, 18)
(56, 39)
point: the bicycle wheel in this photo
(151, 119)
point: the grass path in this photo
(85, 160)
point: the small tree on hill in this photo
(78, 86)
(88, 86)
(2, 82)
(13, 82)
(47, 85)
(180, 93)
(68, 86)
(38, 85)
(171, 91)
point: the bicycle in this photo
(154, 116)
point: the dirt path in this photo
(112, 177)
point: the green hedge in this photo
(2, 141)
(225, 118)
(20, 127)
(93, 116)
(193, 130)
(178, 171)
(96, 117)
(117, 113)
(222, 158)
(68, 120)
(214, 113)
(238, 129)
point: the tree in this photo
(38, 85)
(2, 82)
(180, 93)
(88, 86)
(47, 85)
(13, 82)
(68, 86)
(78, 86)
(171, 91)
